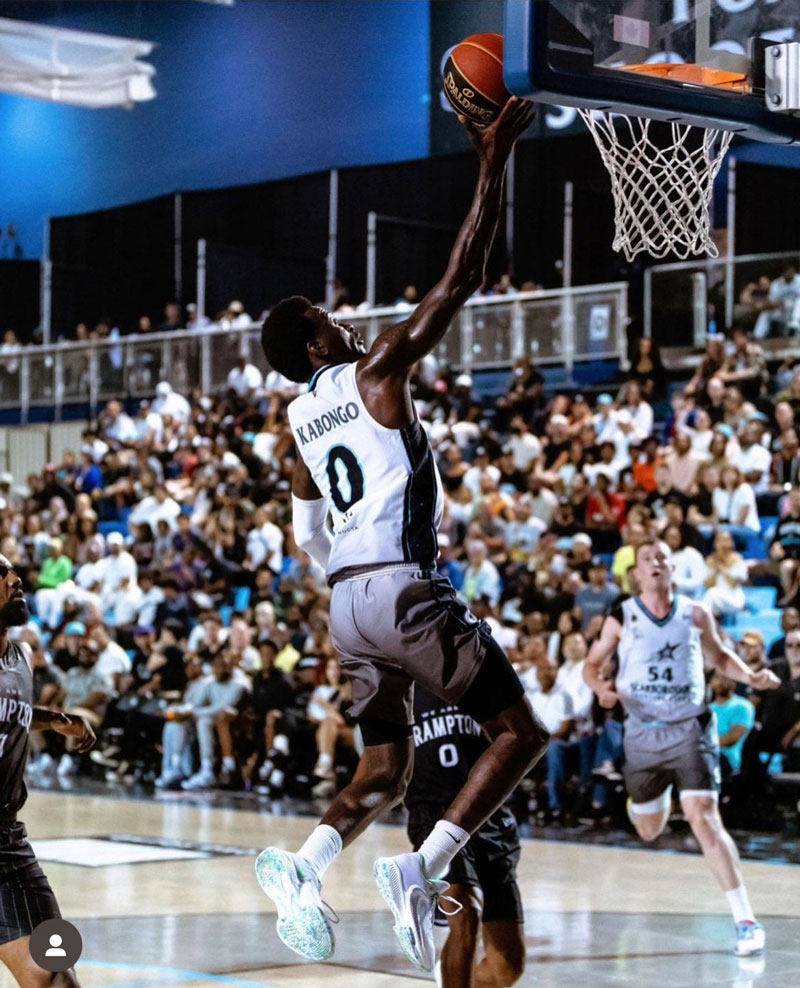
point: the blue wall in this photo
(246, 93)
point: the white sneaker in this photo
(66, 766)
(200, 780)
(295, 889)
(412, 897)
(750, 939)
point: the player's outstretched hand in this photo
(73, 726)
(495, 141)
(764, 679)
(608, 697)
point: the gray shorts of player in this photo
(398, 625)
(657, 755)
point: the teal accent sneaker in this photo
(412, 898)
(750, 939)
(294, 888)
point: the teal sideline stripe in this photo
(175, 974)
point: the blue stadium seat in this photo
(756, 547)
(226, 613)
(105, 528)
(241, 598)
(760, 598)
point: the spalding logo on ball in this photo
(473, 78)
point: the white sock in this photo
(325, 761)
(739, 902)
(207, 766)
(229, 764)
(440, 847)
(322, 848)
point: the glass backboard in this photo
(693, 61)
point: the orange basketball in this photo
(473, 78)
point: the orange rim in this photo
(698, 75)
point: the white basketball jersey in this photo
(661, 674)
(381, 485)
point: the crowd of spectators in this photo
(174, 610)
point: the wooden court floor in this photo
(595, 916)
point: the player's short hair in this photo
(649, 540)
(285, 336)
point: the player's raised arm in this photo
(396, 351)
(600, 654)
(727, 661)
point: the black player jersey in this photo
(447, 743)
(16, 715)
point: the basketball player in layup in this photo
(26, 898)
(364, 457)
(661, 640)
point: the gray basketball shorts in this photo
(396, 626)
(685, 753)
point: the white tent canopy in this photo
(77, 67)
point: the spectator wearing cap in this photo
(481, 578)
(245, 379)
(237, 316)
(598, 594)
(117, 566)
(170, 403)
(688, 566)
(604, 419)
(580, 555)
(64, 645)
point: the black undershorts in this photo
(26, 899)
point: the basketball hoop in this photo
(662, 183)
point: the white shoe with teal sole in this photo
(412, 897)
(750, 939)
(294, 888)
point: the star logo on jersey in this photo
(667, 653)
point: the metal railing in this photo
(678, 297)
(557, 327)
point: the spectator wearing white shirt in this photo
(604, 419)
(245, 378)
(784, 296)
(641, 412)
(734, 502)
(727, 574)
(152, 596)
(169, 402)
(701, 432)
(117, 566)
(236, 317)
(159, 506)
(481, 578)
(113, 662)
(127, 602)
(525, 447)
(149, 425)
(689, 569)
(481, 467)
(543, 501)
(753, 461)
(551, 704)
(507, 638)
(264, 541)
(118, 425)
(523, 531)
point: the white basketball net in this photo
(662, 195)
